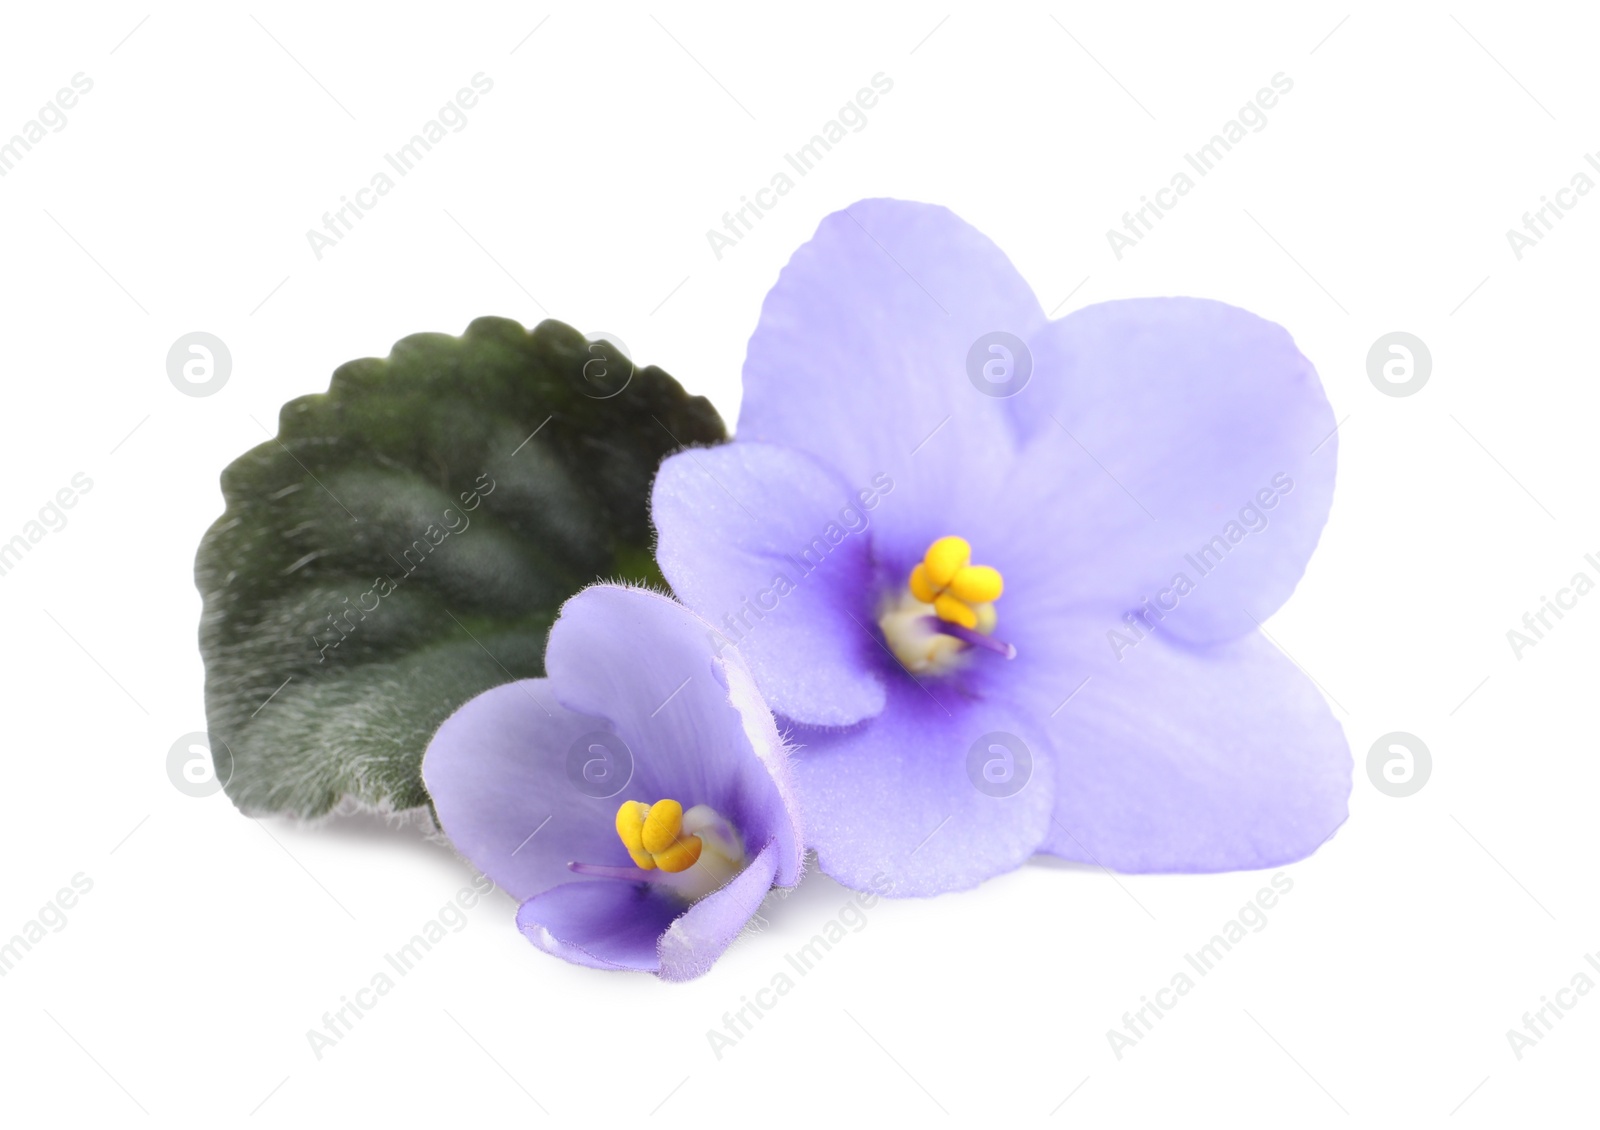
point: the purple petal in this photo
(497, 773)
(695, 727)
(1176, 437)
(897, 800)
(605, 924)
(699, 935)
(1218, 758)
(786, 847)
(861, 355)
(774, 551)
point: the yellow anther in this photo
(949, 608)
(653, 835)
(680, 856)
(944, 557)
(630, 829)
(976, 584)
(662, 824)
(960, 592)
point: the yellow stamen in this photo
(653, 835)
(947, 607)
(976, 584)
(662, 823)
(680, 855)
(944, 557)
(960, 592)
(630, 829)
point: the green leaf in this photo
(407, 540)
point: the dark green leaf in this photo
(405, 543)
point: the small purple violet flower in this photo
(1005, 575)
(636, 800)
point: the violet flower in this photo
(636, 800)
(1004, 575)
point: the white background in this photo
(1376, 199)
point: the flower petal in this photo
(603, 924)
(1217, 758)
(650, 667)
(861, 354)
(497, 773)
(1177, 437)
(749, 525)
(787, 847)
(896, 801)
(698, 936)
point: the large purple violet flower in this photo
(1004, 575)
(636, 800)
